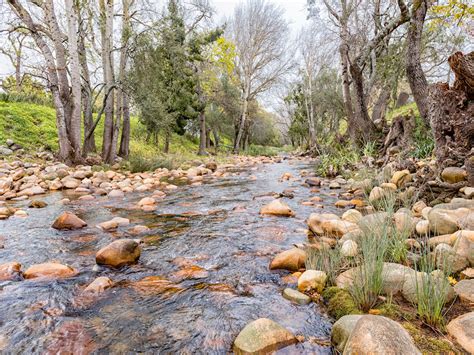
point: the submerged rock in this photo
(99, 285)
(49, 270)
(37, 204)
(68, 220)
(277, 208)
(119, 253)
(262, 336)
(10, 271)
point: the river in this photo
(209, 260)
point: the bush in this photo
(335, 158)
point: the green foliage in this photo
(368, 281)
(260, 150)
(162, 79)
(335, 158)
(29, 125)
(31, 91)
(328, 108)
(432, 287)
(424, 142)
(340, 302)
(327, 259)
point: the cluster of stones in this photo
(20, 181)
(447, 228)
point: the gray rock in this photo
(296, 296)
(462, 329)
(5, 151)
(342, 329)
(435, 284)
(379, 335)
(465, 290)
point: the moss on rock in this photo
(427, 344)
(340, 302)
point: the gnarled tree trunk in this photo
(451, 112)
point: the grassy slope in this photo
(34, 126)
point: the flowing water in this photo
(208, 262)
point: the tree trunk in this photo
(65, 150)
(125, 139)
(106, 27)
(216, 138)
(451, 112)
(166, 148)
(380, 107)
(75, 70)
(243, 118)
(202, 133)
(415, 75)
(361, 127)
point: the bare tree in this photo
(260, 35)
(13, 50)
(51, 41)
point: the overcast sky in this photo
(295, 13)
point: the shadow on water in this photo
(203, 274)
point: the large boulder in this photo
(375, 223)
(436, 285)
(379, 335)
(277, 208)
(445, 221)
(10, 271)
(316, 219)
(465, 290)
(312, 280)
(342, 329)
(337, 227)
(292, 260)
(68, 220)
(393, 277)
(49, 270)
(462, 329)
(119, 253)
(262, 336)
(464, 245)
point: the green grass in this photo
(32, 126)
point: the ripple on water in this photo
(203, 274)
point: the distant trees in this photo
(261, 37)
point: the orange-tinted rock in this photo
(119, 253)
(50, 270)
(292, 260)
(276, 208)
(10, 271)
(190, 272)
(99, 285)
(68, 220)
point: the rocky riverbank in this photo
(417, 247)
(394, 272)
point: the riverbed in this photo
(206, 257)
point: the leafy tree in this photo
(163, 81)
